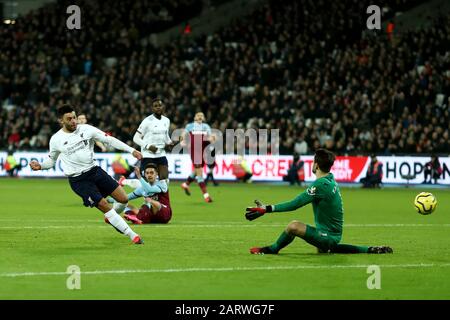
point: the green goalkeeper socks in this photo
(285, 239)
(282, 242)
(348, 248)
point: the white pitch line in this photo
(224, 269)
(51, 227)
(52, 220)
(396, 225)
(181, 225)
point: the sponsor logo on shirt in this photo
(79, 146)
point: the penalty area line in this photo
(224, 269)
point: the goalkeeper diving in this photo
(326, 199)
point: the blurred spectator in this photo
(241, 170)
(83, 120)
(301, 146)
(300, 66)
(432, 169)
(296, 172)
(374, 174)
(14, 138)
(390, 29)
(12, 167)
(121, 167)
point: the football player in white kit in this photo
(74, 145)
(153, 138)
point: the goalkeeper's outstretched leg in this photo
(294, 229)
(324, 242)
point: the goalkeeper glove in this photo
(255, 212)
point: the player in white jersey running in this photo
(153, 138)
(74, 145)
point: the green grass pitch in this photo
(203, 253)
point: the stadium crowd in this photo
(304, 67)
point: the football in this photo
(425, 203)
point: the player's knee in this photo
(293, 227)
(103, 205)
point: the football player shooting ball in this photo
(325, 196)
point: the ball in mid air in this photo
(425, 203)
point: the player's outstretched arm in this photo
(48, 163)
(158, 187)
(302, 199)
(101, 146)
(135, 194)
(114, 142)
(137, 154)
(35, 165)
(252, 213)
(147, 188)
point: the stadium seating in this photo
(280, 67)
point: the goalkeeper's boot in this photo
(185, 187)
(263, 250)
(138, 240)
(380, 249)
(132, 218)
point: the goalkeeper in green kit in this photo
(325, 196)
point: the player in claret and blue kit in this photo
(156, 208)
(74, 146)
(325, 196)
(197, 135)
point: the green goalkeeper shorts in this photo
(320, 239)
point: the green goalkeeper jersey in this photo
(326, 200)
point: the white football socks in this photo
(120, 224)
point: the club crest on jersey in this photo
(311, 191)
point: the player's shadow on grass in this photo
(300, 256)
